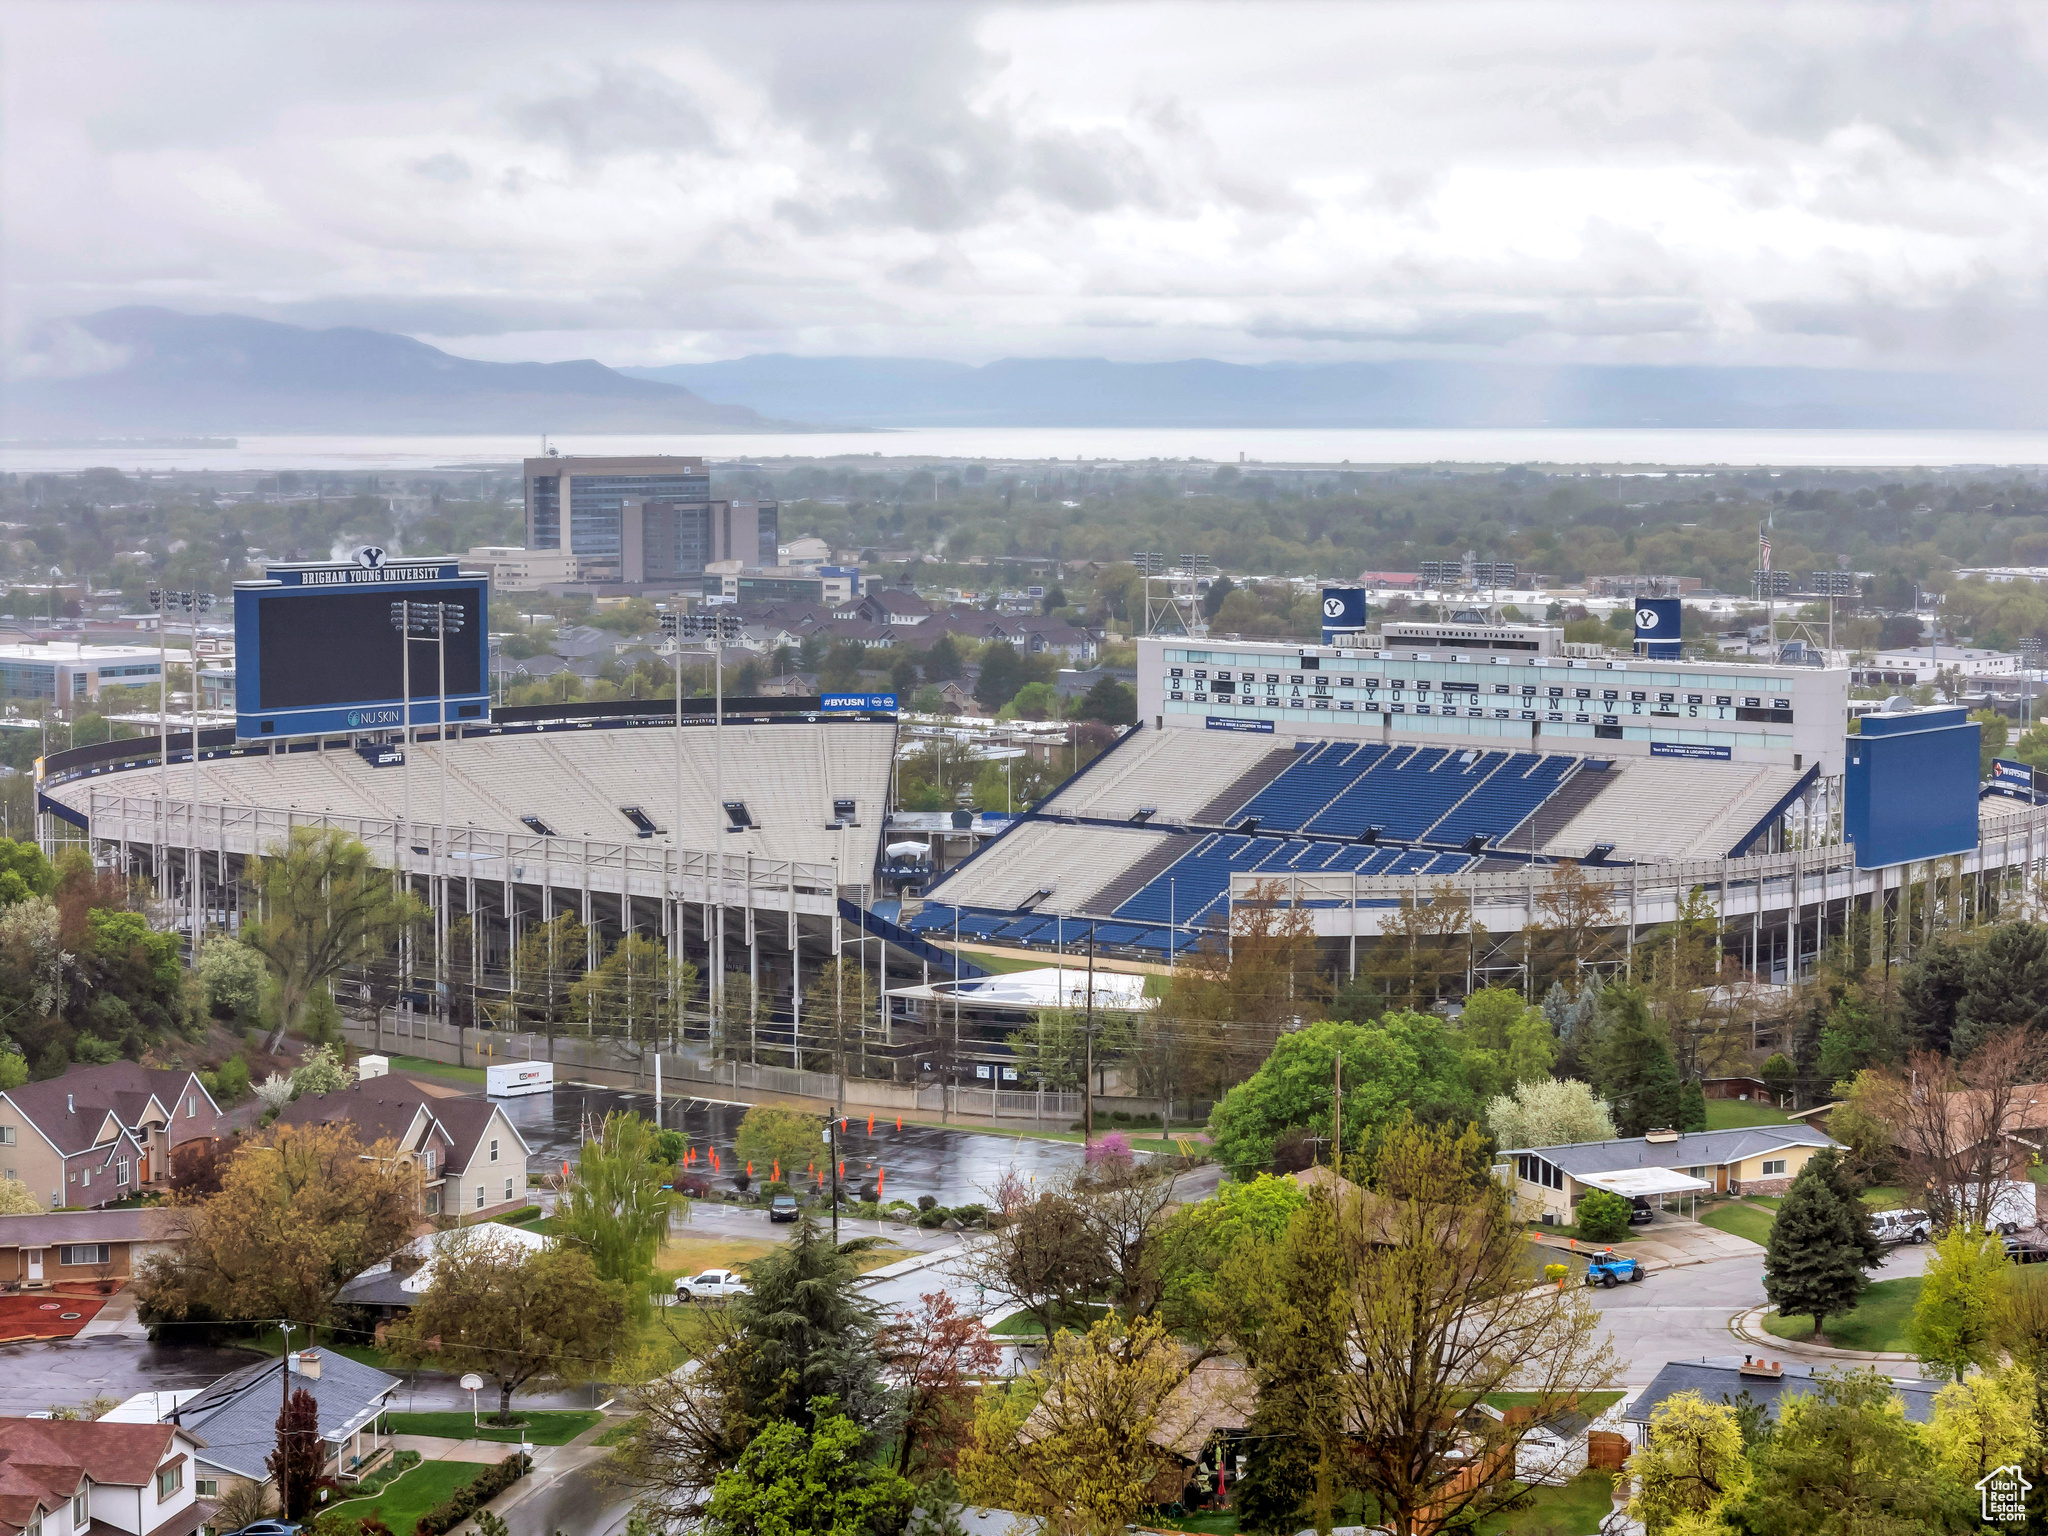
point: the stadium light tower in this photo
(716, 629)
(1150, 563)
(166, 601)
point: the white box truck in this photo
(518, 1079)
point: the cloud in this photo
(1805, 182)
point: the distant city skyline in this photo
(1844, 186)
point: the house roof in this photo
(402, 1280)
(388, 1107)
(43, 1461)
(1721, 1381)
(71, 1110)
(236, 1417)
(137, 1224)
(1693, 1150)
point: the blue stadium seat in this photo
(1309, 783)
(1503, 801)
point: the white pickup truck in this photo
(712, 1285)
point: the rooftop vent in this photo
(1660, 1135)
(1758, 1366)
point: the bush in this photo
(1603, 1215)
(467, 1500)
(927, 1202)
(932, 1215)
(1556, 1272)
(776, 1187)
(524, 1213)
(970, 1215)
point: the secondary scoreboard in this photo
(317, 651)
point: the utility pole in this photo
(1337, 1123)
(1088, 1049)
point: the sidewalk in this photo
(1667, 1245)
(116, 1319)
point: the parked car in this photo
(271, 1528)
(2025, 1250)
(1641, 1212)
(712, 1285)
(1900, 1226)
(783, 1208)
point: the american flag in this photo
(1763, 544)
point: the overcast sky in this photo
(642, 183)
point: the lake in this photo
(1609, 448)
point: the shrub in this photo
(1110, 1149)
(970, 1215)
(1603, 1215)
(932, 1216)
(776, 1187)
(1556, 1272)
(467, 1500)
(524, 1213)
(927, 1202)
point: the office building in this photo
(578, 504)
(63, 674)
(663, 539)
(522, 570)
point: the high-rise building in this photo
(578, 504)
(664, 540)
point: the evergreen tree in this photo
(1296, 1358)
(1640, 1077)
(2006, 984)
(1931, 990)
(1814, 1261)
(1692, 1107)
(1575, 1020)
(806, 1333)
(1849, 1190)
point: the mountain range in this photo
(143, 370)
(1085, 392)
(146, 371)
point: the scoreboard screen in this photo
(317, 651)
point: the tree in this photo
(1549, 1113)
(1950, 1121)
(1109, 701)
(1002, 674)
(1691, 1463)
(1692, 1106)
(1573, 927)
(1994, 733)
(1217, 1259)
(1815, 1258)
(242, 1503)
(935, 1355)
(780, 1143)
(1931, 990)
(1042, 1253)
(2020, 1326)
(16, 1198)
(1078, 1444)
(1845, 1461)
(1401, 1064)
(1953, 1323)
(1439, 1311)
(1858, 1123)
(1779, 1075)
(545, 968)
(942, 662)
(321, 1071)
(1638, 1076)
(13, 1068)
(295, 1463)
(512, 1314)
(839, 1009)
(797, 1478)
(613, 1208)
(232, 974)
(302, 1210)
(2005, 986)
(24, 871)
(636, 991)
(1052, 1050)
(1602, 1215)
(1986, 1421)
(1232, 1002)
(323, 904)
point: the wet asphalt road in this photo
(954, 1167)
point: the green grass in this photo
(419, 1066)
(1878, 1323)
(1732, 1114)
(413, 1494)
(1001, 964)
(1210, 1522)
(1576, 1509)
(1885, 1197)
(1022, 1325)
(1593, 1403)
(1740, 1218)
(272, 1342)
(539, 1428)
(618, 1433)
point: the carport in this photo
(1632, 1182)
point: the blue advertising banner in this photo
(1691, 750)
(1222, 723)
(1657, 624)
(1343, 611)
(857, 703)
(2017, 775)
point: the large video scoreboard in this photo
(317, 651)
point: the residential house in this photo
(791, 685)
(234, 1421)
(393, 1288)
(955, 698)
(1757, 1160)
(68, 1477)
(102, 1132)
(893, 606)
(81, 1247)
(470, 1156)
(1768, 1383)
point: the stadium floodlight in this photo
(718, 630)
(166, 601)
(417, 619)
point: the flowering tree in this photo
(936, 1356)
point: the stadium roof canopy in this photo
(1047, 987)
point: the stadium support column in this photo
(161, 854)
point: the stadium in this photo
(1349, 785)
(1356, 782)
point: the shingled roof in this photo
(236, 1417)
(44, 1461)
(72, 1109)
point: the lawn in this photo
(1022, 1325)
(538, 1428)
(1733, 1114)
(1740, 1218)
(1593, 1403)
(1885, 1197)
(694, 1255)
(618, 1434)
(1576, 1509)
(1001, 964)
(412, 1495)
(1878, 1323)
(419, 1066)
